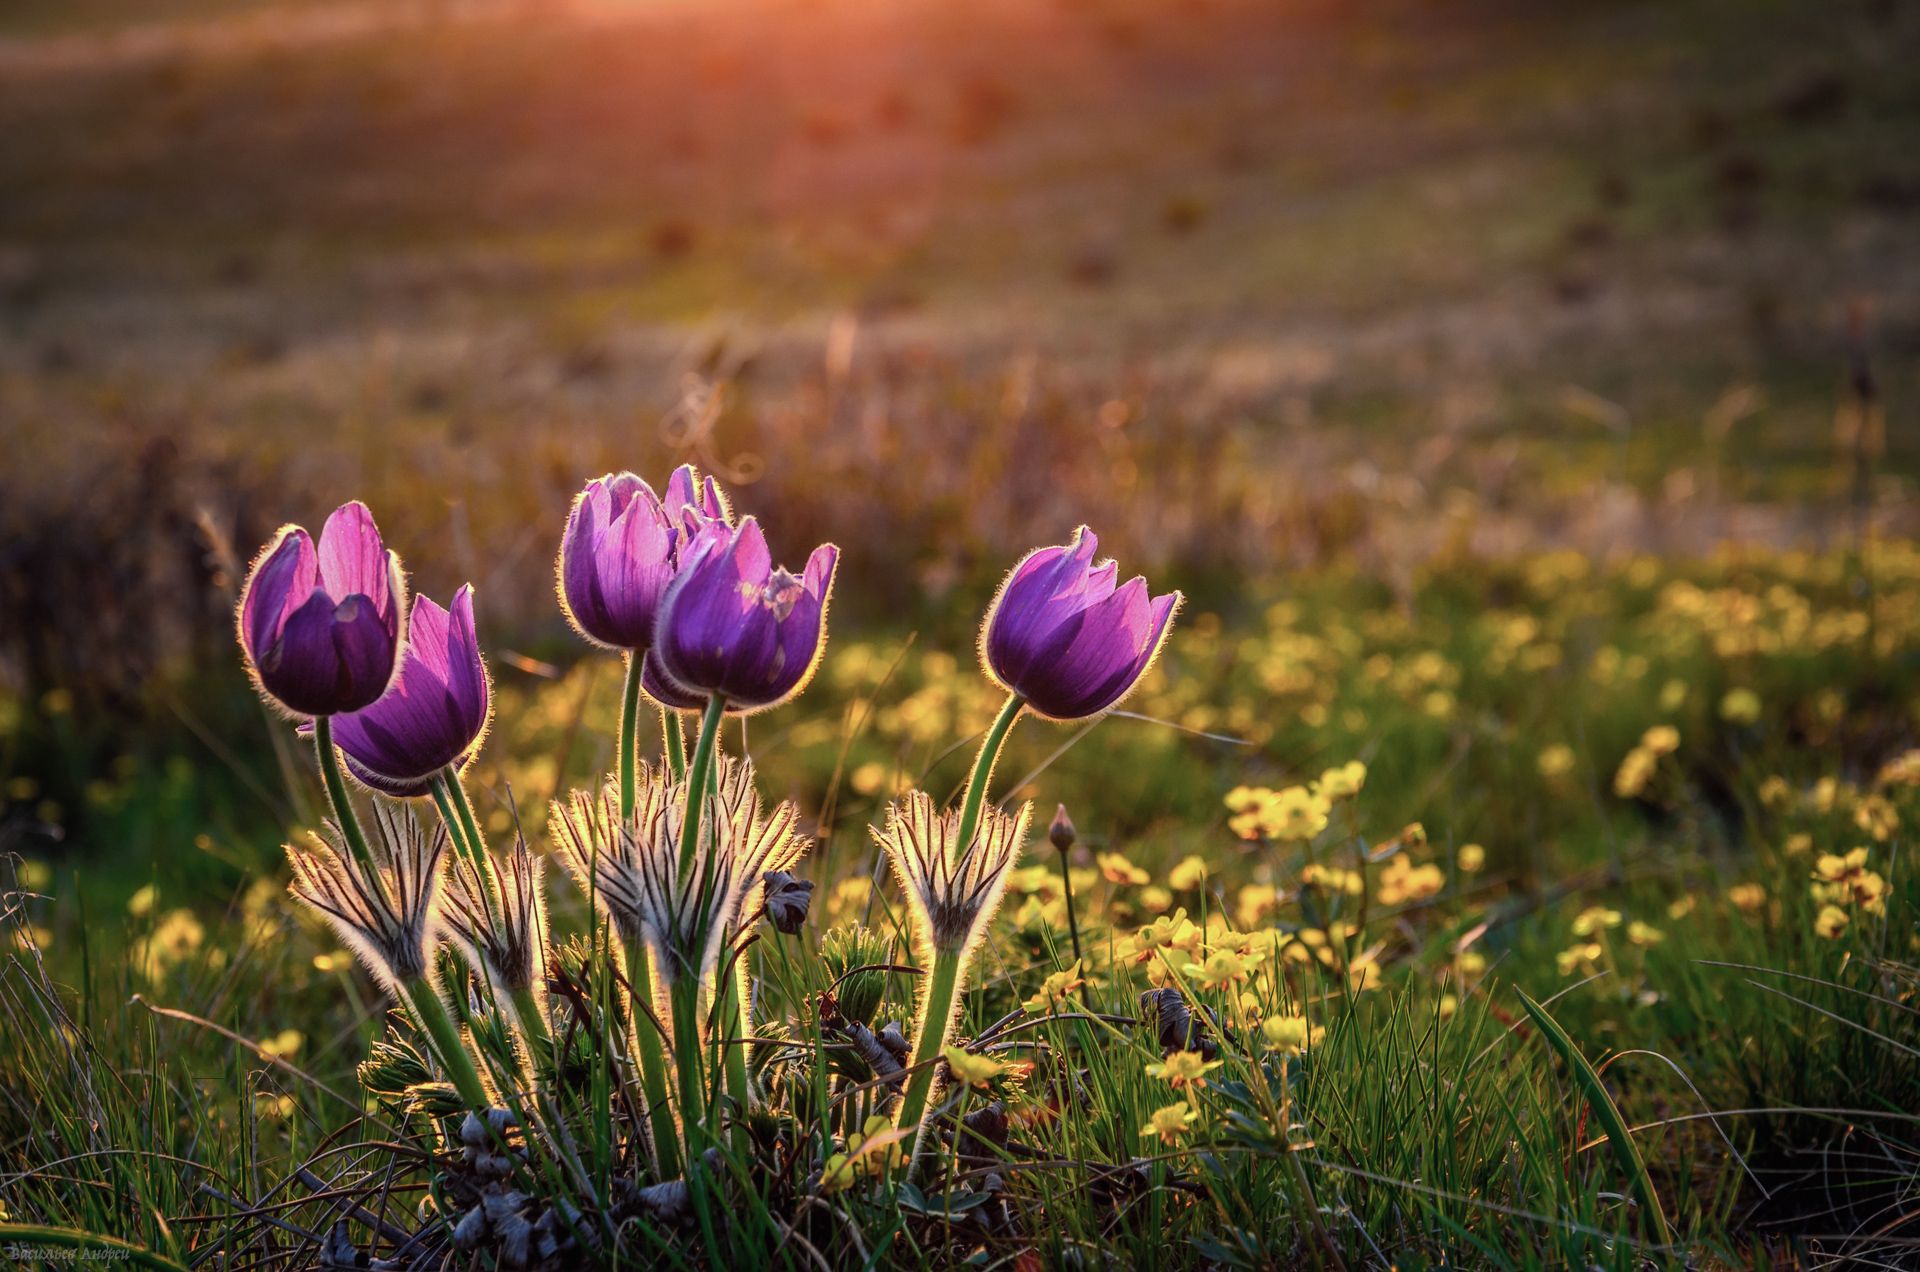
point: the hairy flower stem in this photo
(699, 778)
(456, 811)
(731, 1024)
(651, 1049)
(629, 727)
(337, 795)
(691, 1061)
(943, 981)
(430, 1011)
(929, 1041)
(647, 1043)
(673, 743)
(982, 775)
(535, 1038)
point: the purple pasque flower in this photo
(437, 711)
(322, 629)
(732, 624)
(1064, 638)
(621, 548)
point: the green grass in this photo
(1441, 1118)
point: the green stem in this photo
(699, 775)
(943, 978)
(457, 815)
(690, 1060)
(1073, 924)
(535, 1037)
(629, 725)
(982, 775)
(673, 741)
(437, 787)
(431, 1013)
(732, 1025)
(936, 1019)
(337, 794)
(651, 1048)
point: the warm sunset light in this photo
(1004, 634)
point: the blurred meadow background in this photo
(1499, 382)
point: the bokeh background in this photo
(1261, 289)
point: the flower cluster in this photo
(680, 858)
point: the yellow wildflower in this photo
(971, 1070)
(1740, 706)
(1053, 992)
(1556, 761)
(1471, 859)
(1295, 814)
(1635, 771)
(1594, 919)
(1290, 1034)
(1182, 1069)
(1343, 782)
(1402, 882)
(1170, 1123)
(1189, 875)
(1578, 958)
(1116, 869)
(1644, 933)
(1222, 970)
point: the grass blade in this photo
(1625, 1151)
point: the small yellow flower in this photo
(1115, 868)
(1290, 1035)
(1876, 816)
(1578, 958)
(1053, 992)
(1182, 1069)
(1189, 875)
(1661, 739)
(1169, 1124)
(1556, 761)
(1295, 814)
(1644, 933)
(1740, 706)
(1901, 770)
(1243, 799)
(1681, 907)
(1222, 970)
(1255, 903)
(1595, 918)
(140, 904)
(876, 1149)
(1402, 882)
(1747, 897)
(1333, 879)
(283, 1044)
(1343, 782)
(971, 1070)
(1832, 921)
(1636, 770)
(1471, 859)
